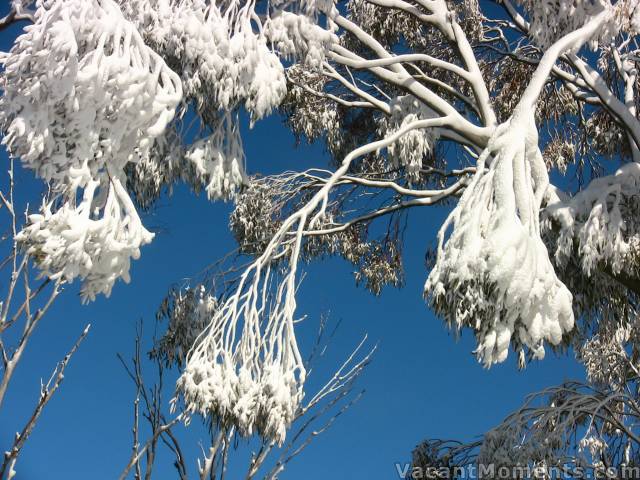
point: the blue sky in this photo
(421, 383)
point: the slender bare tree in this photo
(26, 300)
(269, 460)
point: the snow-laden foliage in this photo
(593, 237)
(229, 57)
(298, 36)
(602, 222)
(410, 150)
(88, 95)
(219, 161)
(187, 312)
(74, 72)
(493, 272)
(216, 51)
(82, 97)
(85, 99)
(221, 56)
(418, 103)
(248, 375)
(550, 20)
(70, 242)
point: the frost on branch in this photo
(581, 429)
(257, 215)
(493, 272)
(628, 16)
(261, 208)
(312, 116)
(605, 358)
(82, 97)
(386, 25)
(511, 446)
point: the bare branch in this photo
(46, 393)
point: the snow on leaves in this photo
(216, 51)
(219, 161)
(86, 98)
(550, 20)
(89, 100)
(245, 369)
(602, 221)
(83, 96)
(221, 56)
(411, 148)
(493, 272)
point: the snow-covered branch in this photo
(18, 12)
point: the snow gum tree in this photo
(418, 102)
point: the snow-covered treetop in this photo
(418, 102)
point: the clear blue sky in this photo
(422, 383)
